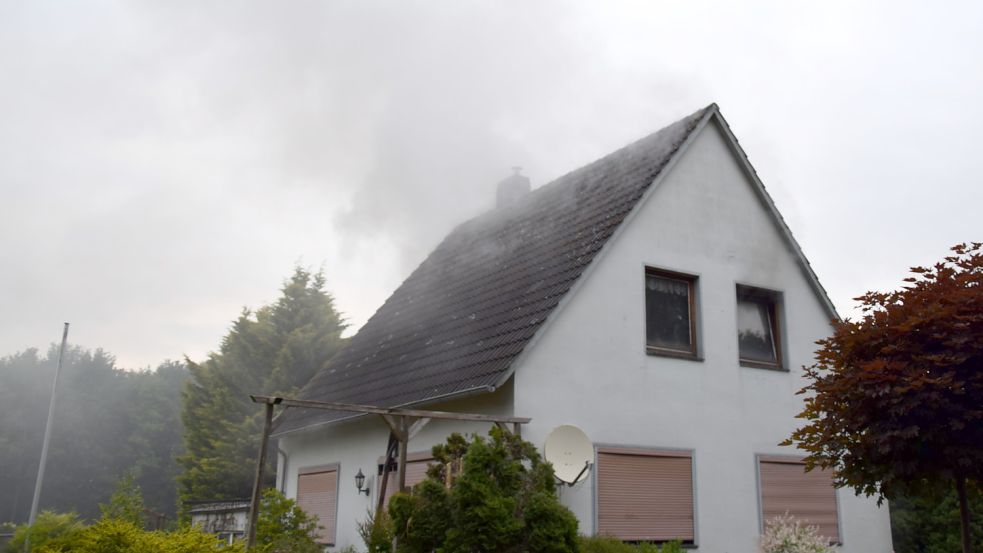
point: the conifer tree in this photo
(273, 351)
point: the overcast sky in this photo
(164, 164)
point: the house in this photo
(655, 299)
(226, 519)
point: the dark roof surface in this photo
(465, 314)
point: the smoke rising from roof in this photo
(164, 164)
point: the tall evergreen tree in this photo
(274, 350)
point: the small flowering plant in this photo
(787, 534)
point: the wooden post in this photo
(403, 443)
(964, 520)
(260, 466)
(386, 461)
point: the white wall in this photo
(590, 366)
(358, 445)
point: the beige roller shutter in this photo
(645, 495)
(317, 494)
(810, 496)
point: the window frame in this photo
(776, 318)
(693, 352)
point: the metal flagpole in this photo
(47, 438)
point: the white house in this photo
(655, 299)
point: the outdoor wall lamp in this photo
(360, 483)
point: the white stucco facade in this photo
(589, 366)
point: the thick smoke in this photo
(165, 163)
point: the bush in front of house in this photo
(608, 544)
(787, 534)
(486, 495)
(64, 533)
(115, 535)
(377, 532)
(50, 529)
(283, 527)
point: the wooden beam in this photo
(417, 413)
(260, 466)
(416, 428)
(391, 423)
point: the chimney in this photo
(512, 188)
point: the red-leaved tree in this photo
(895, 400)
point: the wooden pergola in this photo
(403, 425)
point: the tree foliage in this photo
(895, 400)
(107, 421)
(275, 350)
(114, 535)
(489, 495)
(51, 529)
(930, 523)
(283, 527)
(126, 503)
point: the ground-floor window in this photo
(645, 495)
(317, 495)
(786, 487)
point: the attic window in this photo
(758, 336)
(670, 313)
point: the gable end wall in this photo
(589, 366)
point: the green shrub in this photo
(50, 529)
(126, 503)
(283, 527)
(608, 544)
(672, 547)
(377, 532)
(502, 497)
(114, 535)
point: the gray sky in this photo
(163, 164)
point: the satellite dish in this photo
(570, 452)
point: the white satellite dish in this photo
(570, 452)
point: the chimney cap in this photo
(512, 188)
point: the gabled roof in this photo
(458, 323)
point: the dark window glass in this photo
(757, 327)
(668, 305)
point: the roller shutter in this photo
(810, 496)
(645, 495)
(317, 494)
